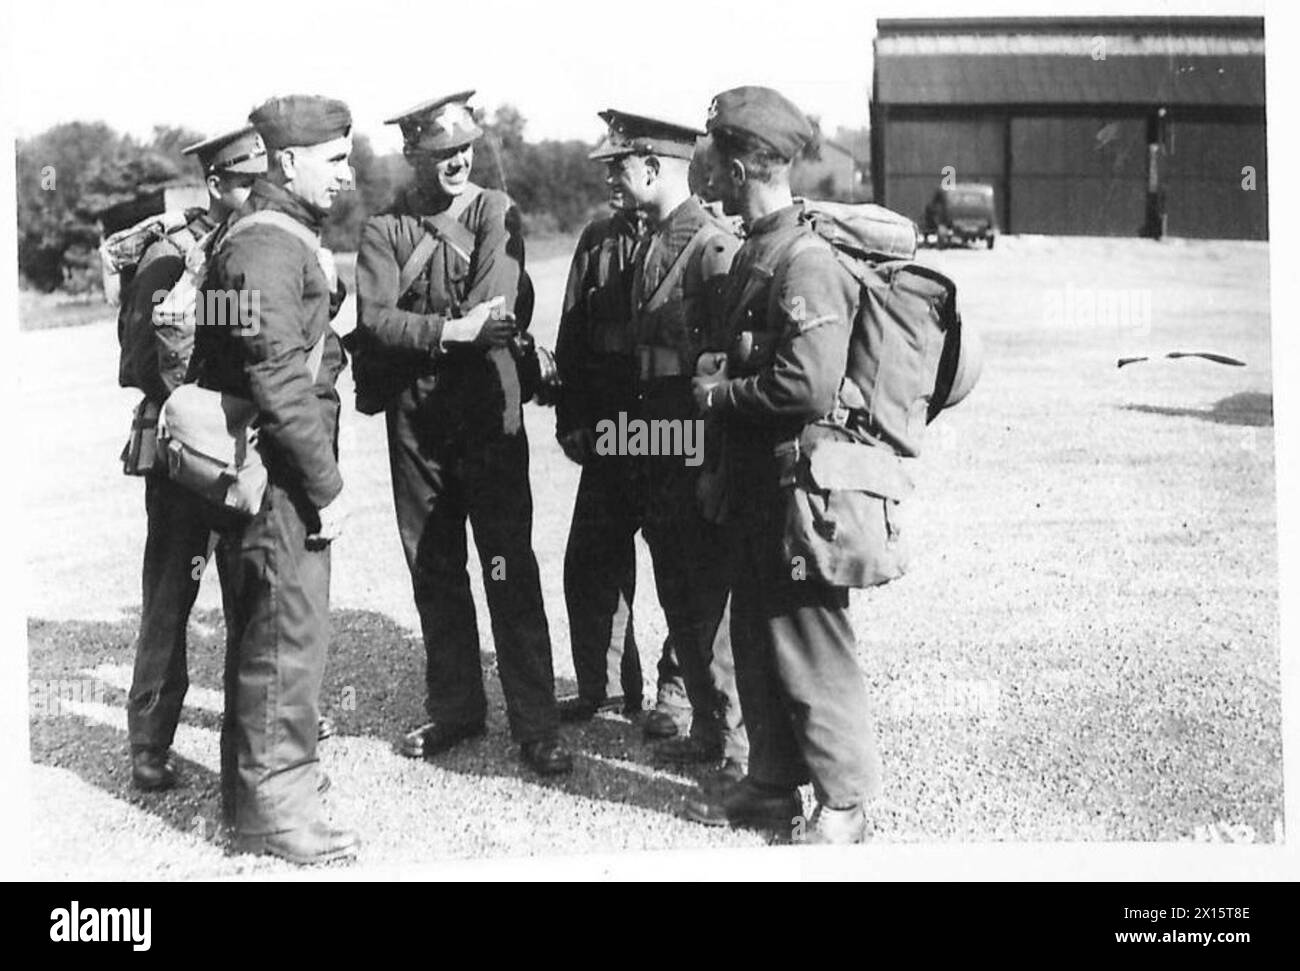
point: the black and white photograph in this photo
(654, 441)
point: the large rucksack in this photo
(909, 358)
(120, 253)
(139, 340)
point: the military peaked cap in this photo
(440, 125)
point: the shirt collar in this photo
(268, 195)
(784, 218)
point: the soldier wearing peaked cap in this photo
(803, 694)
(595, 354)
(154, 360)
(275, 566)
(441, 293)
(678, 276)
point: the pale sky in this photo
(137, 63)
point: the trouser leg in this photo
(774, 755)
(600, 583)
(175, 551)
(722, 670)
(501, 513)
(805, 702)
(690, 576)
(277, 596)
(431, 514)
(624, 669)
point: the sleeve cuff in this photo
(322, 494)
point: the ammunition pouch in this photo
(842, 495)
(659, 362)
(140, 454)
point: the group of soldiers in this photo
(659, 290)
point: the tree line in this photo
(71, 173)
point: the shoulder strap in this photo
(447, 223)
(444, 227)
(802, 243)
(416, 262)
(761, 274)
(270, 217)
(665, 288)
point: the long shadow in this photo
(99, 753)
(373, 687)
(1249, 408)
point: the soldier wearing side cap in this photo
(275, 566)
(177, 538)
(678, 281)
(440, 295)
(595, 353)
(803, 693)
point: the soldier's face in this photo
(318, 173)
(231, 189)
(627, 180)
(444, 173)
(720, 182)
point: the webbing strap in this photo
(270, 217)
(445, 227)
(663, 291)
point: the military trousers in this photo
(600, 583)
(441, 480)
(691, 568)
(690, 565)
(804, 697)
(275, 593)
(176, 548)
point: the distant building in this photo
(834, 175)
(153, 200)
(1109, 126)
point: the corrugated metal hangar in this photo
(1117, 126)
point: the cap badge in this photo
(452, 117)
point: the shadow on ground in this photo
(374, 687)
(1250, 408)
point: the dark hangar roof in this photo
(1148, 60)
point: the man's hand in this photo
(703, 384)
(332, 520)
(710, 362)
(577, 444)
(485, 326)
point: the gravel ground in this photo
(1084, 650)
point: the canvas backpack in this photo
(120, 253)
(120, 256)
(907, 357)
(846, 475)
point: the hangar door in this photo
(1207, 173)
(919, 151)
(1078, 176)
